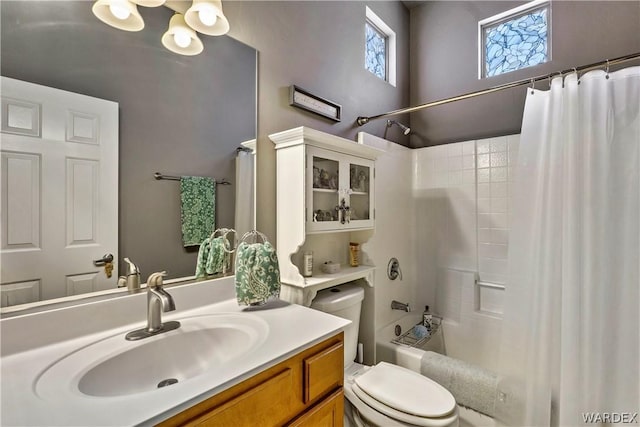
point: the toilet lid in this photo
(402, 417)
(407, 391)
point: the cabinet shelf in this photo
(359, 193)
(303, 292)
(324, 190)
(346, 274)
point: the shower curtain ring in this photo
(607, 70)
(575, 70)
(533, 85)
(549, 78)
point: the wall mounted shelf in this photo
(325, 199)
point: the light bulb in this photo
(182, 38)
(207, 16)
(119, 11)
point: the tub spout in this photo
(396, 305)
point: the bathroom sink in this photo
(116, 367)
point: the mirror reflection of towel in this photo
(211, 257)
(257, 273)
(197, 208)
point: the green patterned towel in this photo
(211, 257)
(198, 208)
(257, 273)
(203, 255)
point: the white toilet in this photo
(384, 394)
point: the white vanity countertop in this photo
(292, 328)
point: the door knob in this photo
(106, 259)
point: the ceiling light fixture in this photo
(149, 3)
(120, 14)
(206, 17)
(180, 38)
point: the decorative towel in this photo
(211, 257)
(198, 208)
(203, 255)
(257, 273)
(471, 385)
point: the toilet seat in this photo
(403, 417)
(391, 395)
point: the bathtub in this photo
(410, 357)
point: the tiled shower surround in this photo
(464, 202)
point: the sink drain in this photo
(167, 382)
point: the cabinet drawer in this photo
(323, 372)
(268, 404)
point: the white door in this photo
(59, 179)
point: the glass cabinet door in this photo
(359, 197)
(339, 191)
(325, 185)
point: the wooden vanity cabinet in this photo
(304, 390)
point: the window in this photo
(380, 48)
(376, 51)
(515, 39)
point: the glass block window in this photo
(375, 56)
(516, 39)
(379, 48)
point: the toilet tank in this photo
(343, 301)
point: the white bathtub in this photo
(410, 358)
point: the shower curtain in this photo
(570, 343)
(245, 218)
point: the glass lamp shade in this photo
(120, 14)
(180, 38)
(149, 3)
(206, 17)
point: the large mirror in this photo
(178, 115)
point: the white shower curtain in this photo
(245, 218)
(570, 345)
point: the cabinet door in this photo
(340, 191)
(268, 404)
(328, 413)
(323, 188)
(360, 192)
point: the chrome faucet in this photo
(158, 301)
(396, 305)
(132, 279)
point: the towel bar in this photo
(158, 175)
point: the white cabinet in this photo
(325, 200)
(339, 191)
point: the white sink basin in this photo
(116, 367)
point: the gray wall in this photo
(178, 115)
(318, 45)
(444, 62)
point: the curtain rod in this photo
(362, 120)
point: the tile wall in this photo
(495, 158)
(462, 196)
(469, 184)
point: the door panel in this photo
(59, 192)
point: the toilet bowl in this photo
(384, 394)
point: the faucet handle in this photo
(155, 279)
(132, 268)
